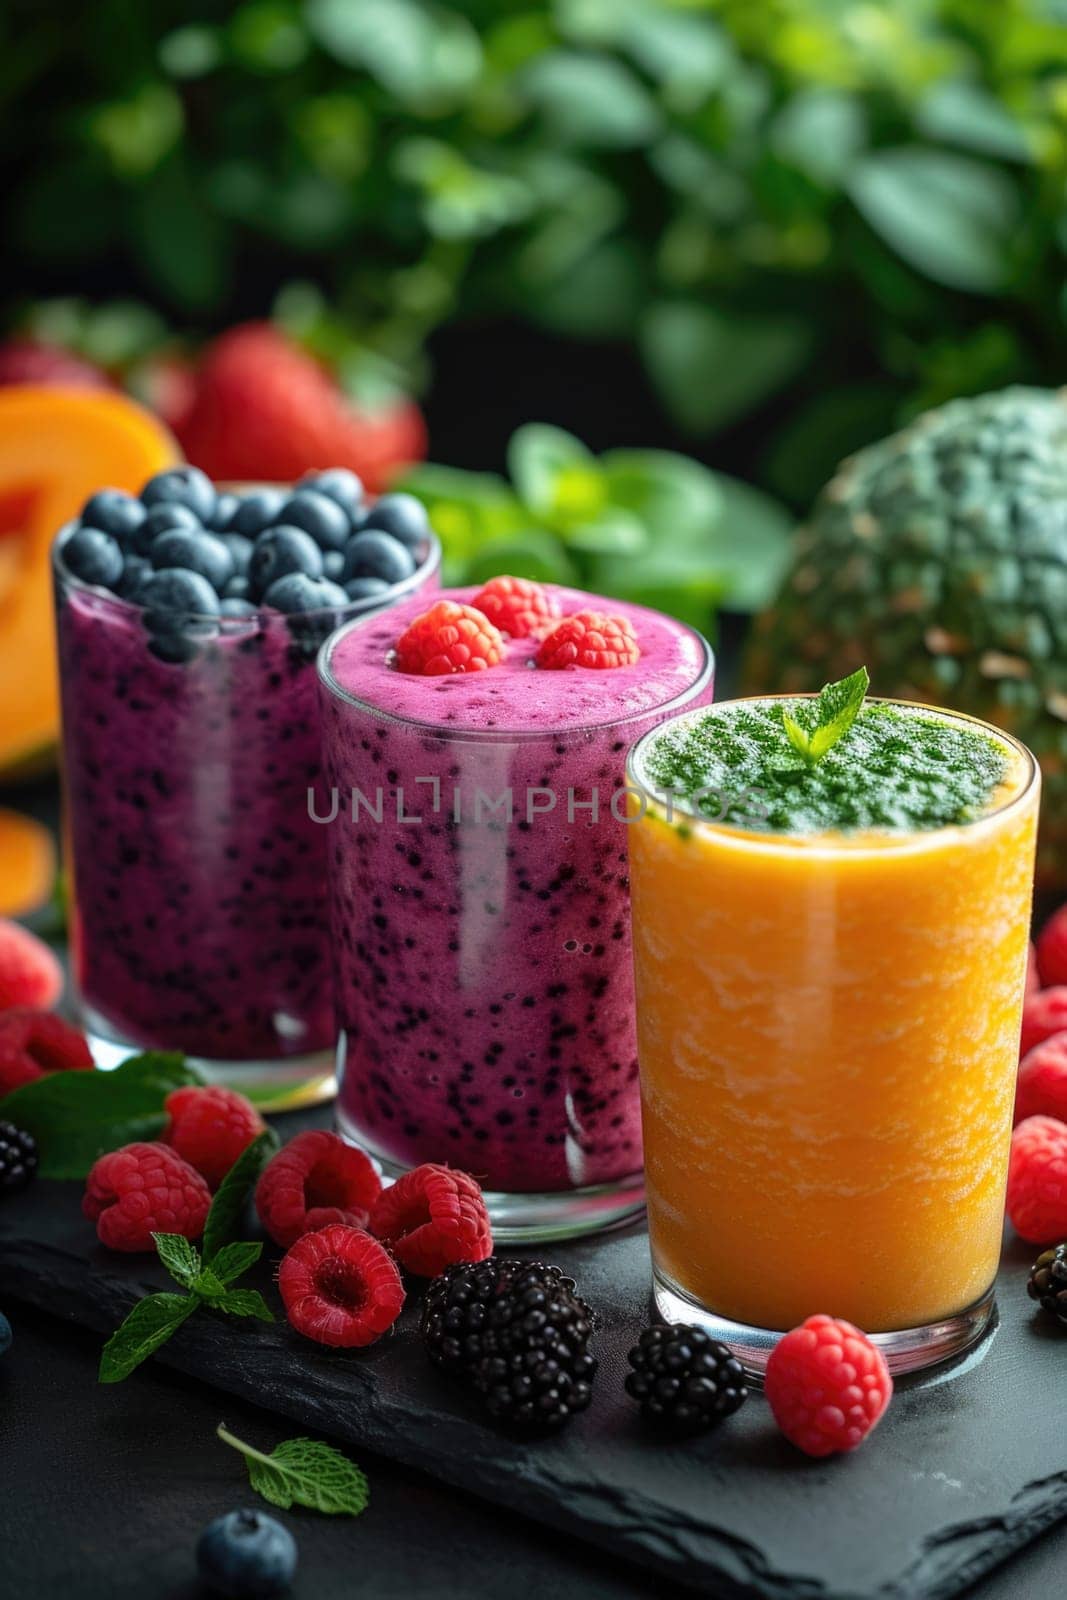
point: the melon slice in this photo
(27, 864)
(56, 447)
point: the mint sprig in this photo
(304, 1472)
(835, 710)
(207, 1279)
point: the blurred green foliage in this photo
(827, 213)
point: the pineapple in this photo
(938, 558)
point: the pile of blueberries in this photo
(189, 553)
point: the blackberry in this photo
(1047, 1283)
(18, 1158)
(519, 1333)
(685, 1380)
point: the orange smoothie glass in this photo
(828, 1032)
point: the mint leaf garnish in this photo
(76, 1116)
(149, 1324)
(244, 1303)
(835, 710)
(305, 1473)
(228, 1206)
(234, 1260)
(181, 1259)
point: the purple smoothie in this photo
(199, 879)
(483, 967)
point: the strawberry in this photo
(266, 410)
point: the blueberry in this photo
(225, 507)
(234, 606)
(5, 1335)
(401, 515)
(240, 550)
(333, 565)
(237, 588)
(365, 588)
(135, 572)
(182, 486)
(256, 511)
(197, 552)
(115, 512)
(339, 484)
(299, 592)
(328, 524)
(175, 593)
(93, 556)
(378, 555)
(279, 551)
(246, 1555)
(161, 519)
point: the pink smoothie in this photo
(481, 905)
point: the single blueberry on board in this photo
(183, 486)
(327, 522)
(246, 1555)
(93, 556)
(6, 1335)
(161, 519)
(279, 551)
(113, 511)
(225, 507)
(378, 555)
(240, 549)
(197, 552)
(339, 484)
(333, 565)
(366, 588)
(296, 591)
(402, 515)
(257, 510)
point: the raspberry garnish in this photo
(1044, 1014)
(1033, 976)
(517, 606)
(827, 1385)
(433, 1218)
(1041, 1090)
(210, 1127)
(340, 1287)
(1052, 949)
(30, 974)
(315, 1180)
(144, 1189)
(589, 639)
(449, 638)
(1037, 1180)
(33, 1043)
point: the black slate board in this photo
(969, 1464)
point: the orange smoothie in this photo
(828, 1027)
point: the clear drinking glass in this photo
(198, 879)
(828, 1031)
(484, 980)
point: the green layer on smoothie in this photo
(894, 769)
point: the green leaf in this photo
(961, 113)
(533, 553)
(77, 1116)
(234, 1260)
(753, 546)
(591, 99)
(181, 1259)
(544, 462)
(208, 1285)
(615, 532)
(835, 710)
(228, 1206)
(243, 1303)
(712, 366)
(306, 1473)
(149, 1325)
(180, 239)
(820, 132)
(426, 56)
(948, 216)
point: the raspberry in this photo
(1033, 976)
(433, 1218)
(340, 1287)
(1037, 1180)
(317, 1179)
(589, 639)
(33, 1043)
(1044, 1014)
(1052, 949)
(209, 1128)
(30, 975)
(448, 638)
(1042, 1085)
(517, 606)
(144, 1189)
(827, 1386)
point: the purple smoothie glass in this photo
(198, 879)
(483, 967)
